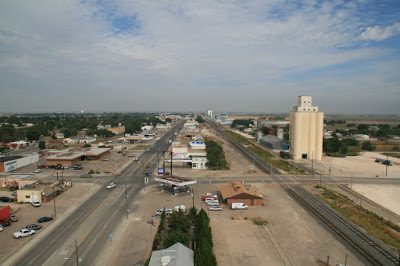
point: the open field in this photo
(385, 195)
(362, 165)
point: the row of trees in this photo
(215, 156)
(381, 131)
(334, 145)
(241, 123)
(69, 124)
(203, 253)
(178, 227)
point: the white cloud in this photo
(228, 49)
(377, 33)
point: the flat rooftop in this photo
(9, 158)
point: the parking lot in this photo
(27, 214)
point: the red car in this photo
(209, 195)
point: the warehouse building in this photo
(70, 158)
(11, 163)
(272, 142)
(236, 192)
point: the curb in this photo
(31, 243)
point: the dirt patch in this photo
(361, 165)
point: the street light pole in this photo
(76, 253)
(54, 204)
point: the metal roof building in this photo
(175, 255)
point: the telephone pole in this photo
(54, 204)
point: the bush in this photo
(367, 146)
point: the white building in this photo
(306, 130)
(360, 137)
(147, 128)
(210, 113)
(87, 140)
(11, 163)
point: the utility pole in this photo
(320, 180)
(386, 163)
(171, 161)
(345, 260)
(193, 197)
(327, 261)
(54, 204)
(76, 253)
(126, 201)
(270, 168)
(312, 163)
(351, 181)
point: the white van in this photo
(238, 206)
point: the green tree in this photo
(177, 236)
(42, 145)
(200, 119)
(367, 146)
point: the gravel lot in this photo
(362, 165)
(292, 237)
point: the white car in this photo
(213, 203)
(23, 233)
(35, 204)
(1, 228)
(37, 171)
(214, 208)
(111, 185)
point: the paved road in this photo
(285, 179)
(133, 178)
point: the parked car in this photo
(6, 199)
(167, 212)
(33, 227)
(213, 203)
(387, 162)
(214, 208)
(111, 185)
(1, 228)
(209, 195)
(13, 218)
(37, 171)
(44, 219)
(35, 204)
(238, 206)
(23, 233)
(207, 200)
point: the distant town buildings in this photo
(306, 130)
(210, 113)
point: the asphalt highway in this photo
(132, 179)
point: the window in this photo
(27, 196)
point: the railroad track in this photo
(370, 249)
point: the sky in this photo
(229, 56)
